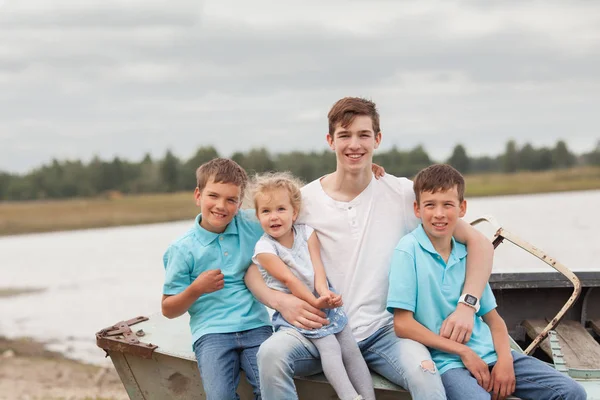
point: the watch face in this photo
(472, 300)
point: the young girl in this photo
(288, 256)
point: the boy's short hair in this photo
(221, 170)
(345, 110)
(439, 177)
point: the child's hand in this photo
(335, 300)
(209, 281)
(477, 367)
(378, 170)
(323, 302)
(328, 299)
(503, 379)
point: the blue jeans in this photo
(220, 357)
(288, 353)
(534, 380)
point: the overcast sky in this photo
(127, 77)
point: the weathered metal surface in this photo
(121, 338)
(169, 377)
(535, 280)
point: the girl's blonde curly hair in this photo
(262, 184)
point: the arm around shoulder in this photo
(479, 258)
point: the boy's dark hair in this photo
(439, 177)
(221, 170)
(345, 110)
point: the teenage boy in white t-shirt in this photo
(358, 221)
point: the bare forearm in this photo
(479, 259)
(411, 329)
(300, 290)
(177, 305)
(255, 282)
(500, 338)
(314, 249)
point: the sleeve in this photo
(263, 246)
(408, 195)
(307, 232)
(402, 289)
(177, 271)
(487, 302)
(404, 188)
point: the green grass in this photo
(533, 182)
(56, 215)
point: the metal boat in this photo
(554, 316)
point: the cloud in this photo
(129, 77)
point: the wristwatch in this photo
(469, 300)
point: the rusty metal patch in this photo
(122, 339)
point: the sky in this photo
(129, 77)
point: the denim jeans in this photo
(534, 380)
(288, 353)
(220, 357)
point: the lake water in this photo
(93, 278)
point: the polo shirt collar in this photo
(458, 252)
(206, 237)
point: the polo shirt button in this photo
(220, 237)
(226, 253)
(350, 208)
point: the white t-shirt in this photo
(358, 238)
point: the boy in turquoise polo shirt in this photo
(427, 275)
(204, 276)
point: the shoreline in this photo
(39, 216)
(29, 370)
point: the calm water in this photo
(94, 278)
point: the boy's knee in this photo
(269, 359)
(428, 366)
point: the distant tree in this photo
(528, 157)
(169, 172)
(304, 166)
(561, 156)
(459, 159)
(593, 157)
(485, 164)
(188, 171)
(5, 180)
(257, 161)
(510, 162)
(418, 157)
(544, 159)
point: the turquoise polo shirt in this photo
(233, 308)
(421, 282)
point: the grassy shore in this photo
(45, 216)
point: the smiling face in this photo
(276, 213)
(354, 145)
(219, 203)
(439, 212)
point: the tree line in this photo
(65, 179)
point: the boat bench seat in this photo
(580, 350)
